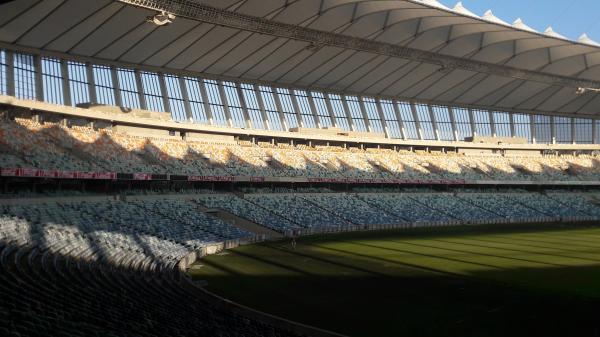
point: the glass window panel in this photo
(268, 98)
(444, 124)
(425, 121)
(78, 83)
(322, 111)
(306, 113)
(389, 114)
(373, 114)
(289, 112)
(24, 72)
(105, 88)
(481, 120)
(502, 124)
(152, 92)
(341, 119)
(215, 102)
(128, 88)
(410, 126)
(199, 114)
(356, 113)
(543, 131)
(522, 124)
(253, 106)
(235, 105)
(583, 130)
(52, 81)
(462, 120)
(3, 65)
(175, 96)
(562, 127)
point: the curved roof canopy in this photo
(416, 49)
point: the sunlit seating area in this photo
(28, 144)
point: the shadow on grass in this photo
(369, 293)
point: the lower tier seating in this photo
(105, 267)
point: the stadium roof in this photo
(408, 49)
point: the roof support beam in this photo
(195, 11)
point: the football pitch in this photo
(534, 280)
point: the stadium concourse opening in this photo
(295, 168)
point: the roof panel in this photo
(19, 25)
(263, 47)
(59, 21)
(111, 31)
(179, 44)
(101, 29)
(66, 41)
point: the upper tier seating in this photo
(27, 144)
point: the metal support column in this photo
(164, 93)
(330, 109)
(261, 106)
(436, 129)
(363, 111)
(573, 131)
(89, 69)
(413, 109)
(400, 120)
(140, 91)
(10, 73)
(386, 129)
(472, 121)
(492, 123)
(296, 108)
(117, 86)
(284, 123)
(39, 85)
(225, 103)
(64, 74)
(249, 124)
(552, 130)
(207, 107)
(453, 123)
(532, 129)
(313, 107)
(186, 99)
(347, 111)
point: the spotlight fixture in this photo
(581, 91)
(161, 19)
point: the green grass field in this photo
(466, 281)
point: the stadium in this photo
(295, 168)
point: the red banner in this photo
(48, 173)
(66, 175)
(210, 178)
(257, 179)
(106, 175)
(29, 172)
(142, 176)
(10, 172)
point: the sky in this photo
(570, 18)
